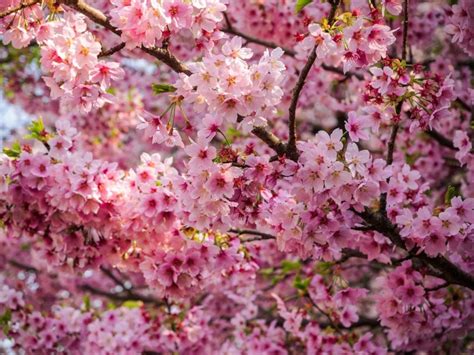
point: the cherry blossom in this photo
(236, 177)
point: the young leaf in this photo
(132, 304)
(451, 192)
(300, 4)
(36, 126)
(289, 266)
(5, 319)
(87, 302)
(14, 151)
(38, 131)
(162, 88)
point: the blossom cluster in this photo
(149, 23)
(141, 207)
(460, 25)
(193, 188)
(20, 30)
(353, 41)
(227, 85)
(428, 97)
(406, 306)
(78, 77)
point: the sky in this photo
(10, 117)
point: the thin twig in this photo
(291, 150)
(114, 49)
(111, 275)
(331, 322)
(390, 152)
(287, 51)
(260, 235)
(121, 296)
(395, 128)
(20, 265)
(405, 30)
(436, 288)
(231, 30)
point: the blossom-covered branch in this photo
(98, 17)
(283, 182)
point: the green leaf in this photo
(288, 266)
(412, 158)
(232, 133)
(162, 88)
(14, 151)
(300, 4)
(111, 91)
(132, 304)
(267, 272)
(5, 319)
(38, 131)
(451, 192)
(301, 284)
(87, 302)
(36, 126)
(323, 267)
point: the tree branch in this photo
(441, 266)
(287, 51)
(270, 139)
(22, 266)
(405, 30)
(231, 30)
(100, 18)
(442, 140)
(261, 235)
(121, 297)
(23, 5)
(291, 150)
(395, 128)
(114, 49)
(166, 57)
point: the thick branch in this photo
(442, 140)
(23, 5)
(270, 139)
(442, 267)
